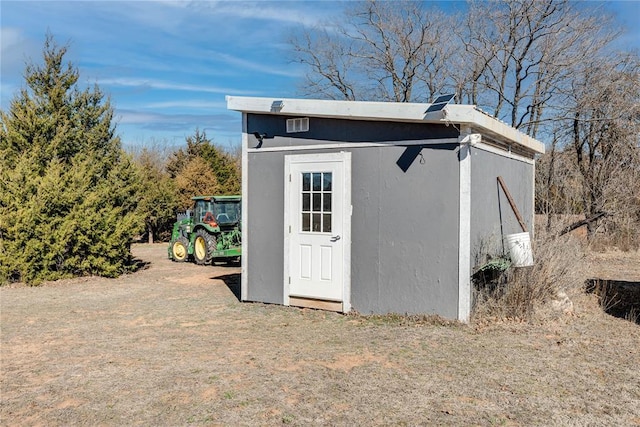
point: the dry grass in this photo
(611, 264)
(171, 345)
(520, 293)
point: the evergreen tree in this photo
(223, 165)
(68, 192)
(195, 179)
(159, 197)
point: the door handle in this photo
(335, 238)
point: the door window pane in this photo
(326, 202)
(317, 197)
(316, 222)
(316, 202)
(306, 222)
(317, 182)
(306, 182)
(326, 182)
(306, 202)
(326, 223)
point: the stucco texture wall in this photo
(491, 215)
(404, 248)
(265, 234)
(405, 232)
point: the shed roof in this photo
(387, 111)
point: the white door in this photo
(317, 226)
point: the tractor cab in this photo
(220, 211)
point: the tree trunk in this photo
(549, 206)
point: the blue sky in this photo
(167, 65)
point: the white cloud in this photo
(137, 117)
(257, 66)
(15, 50)
(9, 37)
(286, 12)
(187, 104)
(138, 123)
(163, 85)
(128, 116)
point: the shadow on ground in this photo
(619, 298)
(232, 281)
(136, 264)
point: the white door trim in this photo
(345, 158)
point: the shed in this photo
(376, 207)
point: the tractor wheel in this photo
(203, 244)
(179, 250)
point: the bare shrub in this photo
(621, 228)
(519, 292)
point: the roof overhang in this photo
(386, 111)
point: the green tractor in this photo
(210, 232)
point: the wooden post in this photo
(512, 203)
(581, 223)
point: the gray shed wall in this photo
(404, 246)
(405, 233)
(491, 215)
(323, 130)
(265, 213)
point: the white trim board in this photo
(464, 226)
(346, 231)
(244, 259)
(342, 146)
(491, 149)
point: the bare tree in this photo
(594, 162)
(606, 127)
(400, 46)
(558, 184)
(330, 64)
(391, 51)
(547, 68)
(519, 53)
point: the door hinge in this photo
(289, 279)
(289, 177)
(289, 229)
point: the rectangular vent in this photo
(298, 125)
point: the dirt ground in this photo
(172, 345)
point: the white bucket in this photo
(519, 246)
